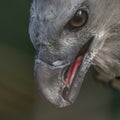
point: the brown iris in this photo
(79, 19)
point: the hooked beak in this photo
(60, 83)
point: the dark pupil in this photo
(77, 18)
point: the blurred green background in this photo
(19, 98)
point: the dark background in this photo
(19, 99)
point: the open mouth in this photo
(73, 71)
(61, 84)
(75, 65)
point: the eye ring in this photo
(79, 19)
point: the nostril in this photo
(58, 63)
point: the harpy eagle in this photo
(69, 36)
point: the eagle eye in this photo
(79, 19)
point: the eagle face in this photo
(70, 36)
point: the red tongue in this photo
(72, 70)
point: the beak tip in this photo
(61, 104)
(54, 97)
